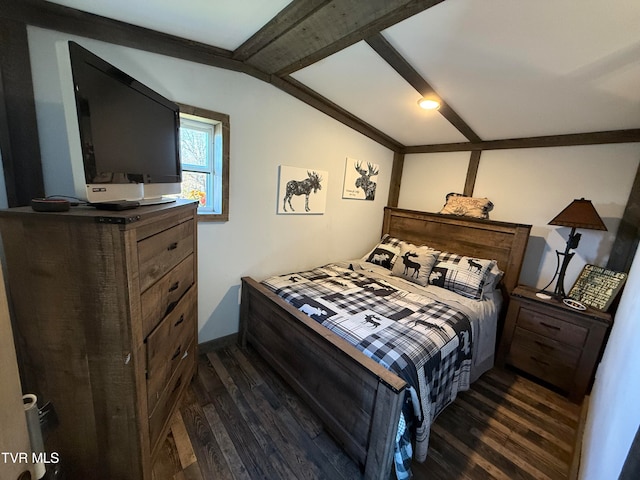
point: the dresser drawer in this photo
(159, 416)
(161, 252)
(167, 346)
(552, 327)
(542, 365)
(163, 296)
(551, 349)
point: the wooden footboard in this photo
(358, 401)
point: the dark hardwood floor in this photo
(239, 421)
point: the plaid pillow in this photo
(385, 252)
(463, 275)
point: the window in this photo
(204, 152)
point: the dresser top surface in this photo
(87, 213)
(529, 293)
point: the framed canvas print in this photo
(360, 179)
(597, 287)
(302, 190)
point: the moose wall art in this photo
(302, 190)
(360, 180)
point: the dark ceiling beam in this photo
(55, 17)
(332, 27)
(52, 16)
(314, 99)
(291, 15)
(411, 76)
(568, 140)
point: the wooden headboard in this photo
(501, 241)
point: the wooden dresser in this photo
(553, 342)
(105, 316)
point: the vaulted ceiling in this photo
(544, 73)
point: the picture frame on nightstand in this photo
(597, 287)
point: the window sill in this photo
(212, 217)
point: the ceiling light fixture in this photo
(429, 103)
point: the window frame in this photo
(221, 146)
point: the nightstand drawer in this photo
(547, 347)
(551, 341)
(552, 327)
(542, 366)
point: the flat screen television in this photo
(129, 135)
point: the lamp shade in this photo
(579, 214)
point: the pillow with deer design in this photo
(385, 252)
(463, 275)
(414, 263)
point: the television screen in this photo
(128, 132)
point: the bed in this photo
(360, 401)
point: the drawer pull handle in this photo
(174, 287)
(541, 362)
(180, 320)
(177, 353)
(173, 246)
(552, 327)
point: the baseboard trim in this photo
(218, 343)
(577, 444)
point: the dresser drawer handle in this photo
(541, 362)
(552, 327)
(180, 320)
(177, 353)
(173, 246)
(174, 287)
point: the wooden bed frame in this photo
(359, 401)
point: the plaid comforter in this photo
(421, 339)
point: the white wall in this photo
(614, 416)
(532, 186)
(268, 128)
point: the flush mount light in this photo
(429, 103)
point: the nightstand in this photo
(553, 342)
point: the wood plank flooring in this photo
(239, 421)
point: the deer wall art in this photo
(293, 184)
(360, 180)
(364, 180)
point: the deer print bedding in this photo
(409, 329)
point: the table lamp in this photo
(578, 214)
